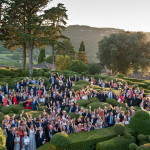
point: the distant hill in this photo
(90, 35)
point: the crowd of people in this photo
(28, 133)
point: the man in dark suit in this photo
(76, 78)
(34, 104)
(1, 98)
(10, 138)
(101, 96)
(17, 87)
(6, 89)
(69, 128)
(111, 120)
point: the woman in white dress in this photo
(17, 142)
(32, 144)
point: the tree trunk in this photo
(30, 61)
(53, 54)
(24, 57)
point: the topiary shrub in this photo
(93, 99)
(2, 140)
(83, 103)
(148, 87)
(141, 138)
(127, 135)
(117, 143)
(73, 115)
(60, 141)
(144, 147)
(83, 82)
(120, 75)
(77, 88)
(133, 146)
(140, 122)
(25, 73)
(119, 129)
(113, 102)
(96, 105)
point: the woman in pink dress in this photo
(5, 101)
(28, 104)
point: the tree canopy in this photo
(125, 52)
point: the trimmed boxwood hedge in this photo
(12, 109)
(83, 82)
(144, 147)
(77, 87)
(60, 141)
(140, 122)
(96, 105)
(117, 143)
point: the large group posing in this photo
(28, 133)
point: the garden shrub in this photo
(141, 139)
(25, 73)
(94, 68)
(83, 82)
(85, 74)
(117, 143)
(77, 87)
(2, 76)
(120, 76)
(96, 105)
(38, 72)
(78, 66)
(41, 108)
(2, 139)
(73, 115)
(148, 87)
(144, 147)
(93, 99)
(46, 146)
(83, 103)
(1, 119)
(119, 129)
(3, 84)
(127, 135)
(88, 140)
(113, 102)
(60, 141)
(46, 74)
(12, 109)
(140, 122)
(133, 146)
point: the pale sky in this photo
(130, 15)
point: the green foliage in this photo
(2, 140)
(117, 143)
(78, 66)
(73, 115)
(60, 141)
(140, 122)
(45, 146)
(12, 109)
(62, 62)
(144, 147)
(38, 72)
(112, 102)
(83, 82)
(94, 69)
(49, 59)
(120, 75)
(84, 103)
(133, 146)
(42, 56)
(96, 105)
(77, 87)
(117, 48)
(141, 137)
(88, 140)
(119, 129)
(148, 87)
(66, 48)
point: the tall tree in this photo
(125, 52)
(66, 48)
(42, 57)
(57, 17)
(82, 56)
(37, 28)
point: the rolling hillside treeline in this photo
(90, 35)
